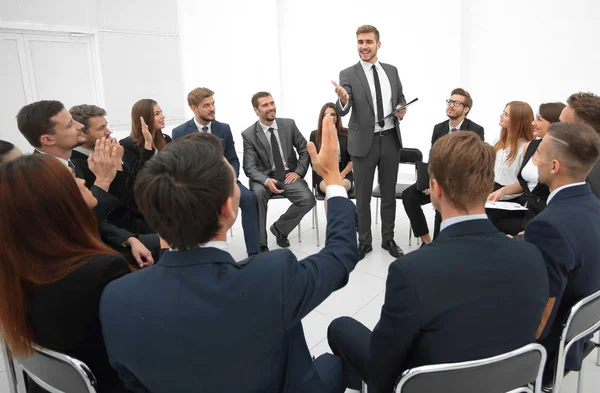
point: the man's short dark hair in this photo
(82, 114)
(577, 146)
(462, 92)
(587, 108)
(470, 178)
(260, 94)
(182, 189)
(34, 120)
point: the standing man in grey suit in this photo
(373, 90)
(271, 164)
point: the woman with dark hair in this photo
(146, 138)
(536, 193)
(8, 151)
(344, 157)
(517, 131)
(53, 266)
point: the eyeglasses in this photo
(454, 102)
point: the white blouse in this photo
(505, 172)
(530, 174)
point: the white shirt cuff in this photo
(266, 181)
(335, 190)
(344, 106)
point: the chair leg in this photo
(300, 232)
(409, 237)
(364, 388)
(598, 358)
(376, 211)
(316, 221)
(580, 378)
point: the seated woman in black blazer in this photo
(53, 266)
(536, 193)
(343, 155)
(146, 139)
(8, 151)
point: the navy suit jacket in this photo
(471, 294)
(567, 233)
(222, 130)
(199, 321)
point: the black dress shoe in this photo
(264, 248)
(282, 240)
(392, 248)
(363, 249)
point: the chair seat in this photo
(400, 187)
(320, 196)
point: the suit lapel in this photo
(466, 125)
(363, 79)
(260, 135)
(191, 127)
(283, 133)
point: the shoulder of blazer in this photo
(471, 124)
(184, 126)
(391, 67)
(223, 128)
(440, 126)
(128, 143)
(248, 132)
(167, 137)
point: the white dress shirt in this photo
(66, 162)
(457, 127)
(467, 217)
(530, 174)
(386, 92)
(268, 135)
(553, 193)
(209, 131)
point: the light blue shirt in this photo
(467, 217)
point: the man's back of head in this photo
(462, 187)
(182, 191)
(567, 154)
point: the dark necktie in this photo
(378, 97)
(277, 159)
(205, 129)
(70, 164)
(453, 129)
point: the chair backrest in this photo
(410, 156)
(55, 372)
(9, 368)
(499, 374)
(583, 319)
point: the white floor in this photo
(363, 297)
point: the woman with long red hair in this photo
(516, 132)
(53, 266)
(146, 138)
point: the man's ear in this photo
(227, 208)
(556, 167)
(47, 140)
(434, 188)
(467, 110)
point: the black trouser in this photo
(350, 340)
(413, 199)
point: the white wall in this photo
(529, 50)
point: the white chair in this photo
(54, 372)
(9, 368)
(583, 320)
(510, 372)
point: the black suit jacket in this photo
(134, 156)
(64, 315)
(536, 198)
(443, 128)
(344, 155)
(593, 179)
(222, 130)
(567, 233)
(199, 321)
(471, 294)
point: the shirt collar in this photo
(467, 217)
(66, 162)
(199, 126)
(221, 245)
(457, 127)
(553, 193)
(266, 128)
(367, 66)
(83, 150)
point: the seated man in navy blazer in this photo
(567, 230)
(202, 103)
(199, 321)
(472, 293)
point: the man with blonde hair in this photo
(202, 103)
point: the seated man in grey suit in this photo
(271, 164)
(585, 108)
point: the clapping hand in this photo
(341, 93)
(147, 135)
(103, 163)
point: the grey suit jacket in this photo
(362, 121)
(258, 156)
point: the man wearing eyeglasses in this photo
(457, 107)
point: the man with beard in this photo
(202, 103)
(373, 91)
(458, 106)
(272, 166)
